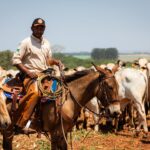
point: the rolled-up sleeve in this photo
(19, 54)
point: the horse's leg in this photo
(58, 142)
(7, 139)
(54, 141)
(62, 143)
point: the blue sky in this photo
(79, 25)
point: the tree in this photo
(5, 59)
(111, 53)
(102, 53)
(98, 53)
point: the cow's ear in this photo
(115, 68)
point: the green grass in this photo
(43, 145)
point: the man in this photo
(32, 57)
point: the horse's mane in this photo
(77, 75)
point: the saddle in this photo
(12, 90)
(14, 84)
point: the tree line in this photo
(98, 55)
(104, 53)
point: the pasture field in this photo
(123, 57)
(130, 58)
(86, 140)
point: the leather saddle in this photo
(14, 84)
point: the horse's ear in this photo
(99, 69)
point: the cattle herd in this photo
(134, 95)
(133, 90)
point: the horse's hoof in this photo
(136, 134)
(39, 135)
(145, 136)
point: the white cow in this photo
(133, 85)
(142, 62)
(148, 67)
(94, 107)
(110, 66)
(103, 66)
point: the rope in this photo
(51, 95)
(63, 131)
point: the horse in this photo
(59, 121)
(101, 84)
(5, 120)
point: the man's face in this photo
(38, 31)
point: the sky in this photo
(79, 25)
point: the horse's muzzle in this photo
(4, 125)
(114, 109)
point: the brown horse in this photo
(5, 120)
(101, 84)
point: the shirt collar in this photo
(36, 39)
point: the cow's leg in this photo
(130, 111)
(96, 123)
(142, 117)
(86, 124)
(96, 117)
(146, 107)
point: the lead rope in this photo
(63, 131)
(62, 78)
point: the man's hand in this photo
(56, 62)
(31, 75)
(60, 65)
(25, 70)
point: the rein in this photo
(62, 79)
(81, 106)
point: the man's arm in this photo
(52, 61)
(25, 70)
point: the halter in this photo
(104, 89)
(101, 80)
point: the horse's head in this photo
(5, 120)
(108, 91)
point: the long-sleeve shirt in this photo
(33, 53)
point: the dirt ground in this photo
(105, 139)
(85, 140)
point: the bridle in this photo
(104, 89)
(101, 84)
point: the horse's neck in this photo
(84, 89)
